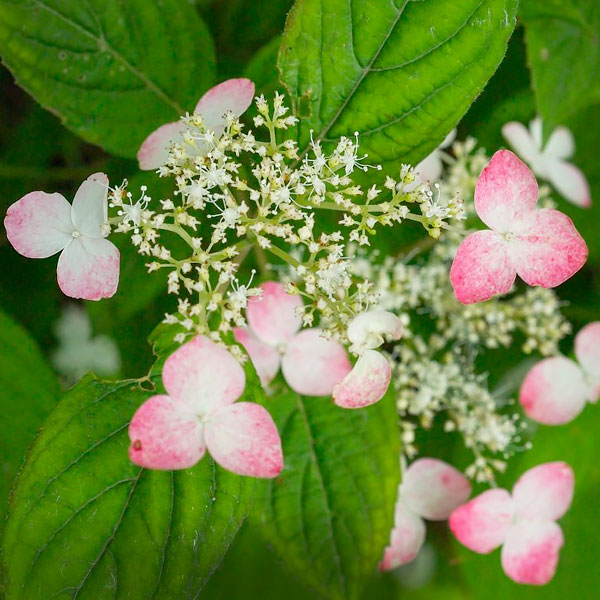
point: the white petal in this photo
(429, 170)
(89, 210)
(154, 151)
(234, 95)
(406, 539)
(369, 330)
(536, 129)
(561, 143)
(449, 139)
(520, 140)
(569, 181)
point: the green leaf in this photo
(86, 523)
(112, 70)
(262, 68)
(30, 391)
(401, 73)
(563, 43)
(330, 512)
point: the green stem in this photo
(288, 258)
(184, 235)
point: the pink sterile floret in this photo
(431, 489)
(542, 246)
(173, 431)
(556, 389)
(522, 523)
(311, 364)
(233, 95)
(40, 225)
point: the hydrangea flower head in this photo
(200, 412)
(542, 246)
(39, 225)
(523, 522)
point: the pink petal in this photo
(89, 210)
(154, 151)
(530, 552)
(548, 249)
(561, 144)
(233, 95)
(545, 492)
(432, 488)
(370, 329)
(203, 375)
(520, 140)
(481, 268)
(88, 268)
(274, 317)
(312, 365)
(506, 192)
(39, 224)
(482, 524)
(243, 438)
(406, 539)
(554, 391)
(587, 350)
(570, 182)
(165, 434)
(366, 384)
(265, 358)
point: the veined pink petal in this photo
(545, 492)
(233, 95)
(432, 488)
(561, 143)
(587, 351)
(482, 267)
(88, 268)
(273, 316)
(89, 209)
(530, 552)
(154, 151)
(520, 140)
(482, 524)
(554, 391)
(312, 365)
(265, 358)
(204, 375)
(370, 329)
(243, 438)
(366, 384)
(165, 434)
(506, 192)
(548, 249)
(570, 182)
(406, 539)
(39, 224)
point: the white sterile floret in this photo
(371, 329)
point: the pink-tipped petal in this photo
(481, 268)
(312, 365)
(407, 538)
(366, 384)
(204, 375)
(548, 249)
(89, 210)
(506, 192)
(554, 391)
(530, 552)
(233, 95)
(265, 358)
(275, 315)
(370, 329)
(88, 268)
(482, 524)
(561, 144)
(432, 488)
(587, 351)
(243, 438)
(544, 492)
(520, 140)
(154, 151)
(570, 182)
(165, 434)
(39, 224)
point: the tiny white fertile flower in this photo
(550, 161)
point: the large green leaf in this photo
(330, 512)
(401, 73)
(112, 70)
(30, 391)
(563, 39)
(86, 523)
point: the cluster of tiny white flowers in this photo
(239, 193)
